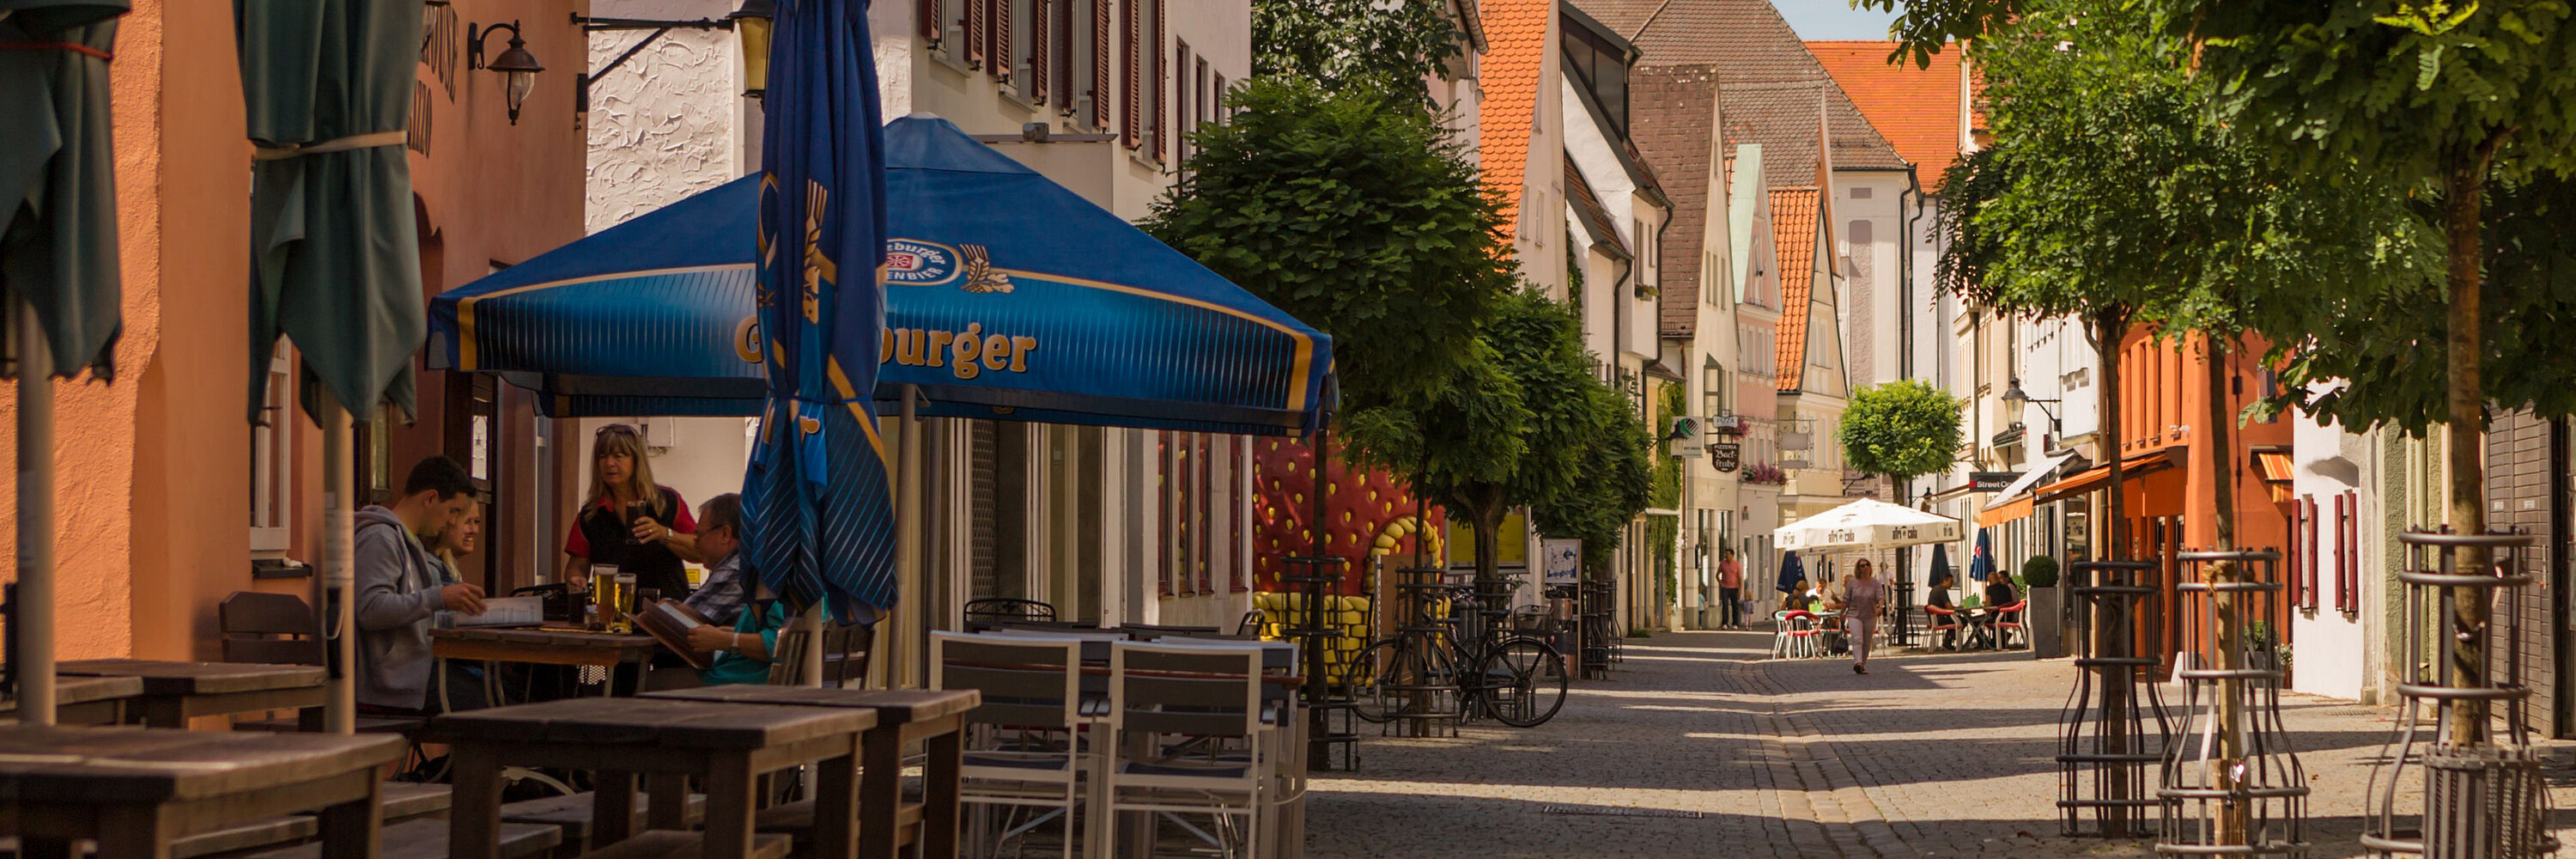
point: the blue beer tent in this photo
(1007, 296)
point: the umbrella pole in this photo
(34, 599)
(339, 580)
(907, 545)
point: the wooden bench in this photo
(427, 839)
(796, 820)
(572, 813)
(668, 844)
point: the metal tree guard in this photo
(2482, 800)
(2105, 743)
(2232, 786)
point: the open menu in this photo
(669, 622)
(503, 611)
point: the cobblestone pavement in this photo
(1700, 747)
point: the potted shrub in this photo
(2046, 618)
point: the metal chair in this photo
(1796, 635)
(1944, 621)
(988, 612)
(1201, 738)
(1022, 750)
(2008, 625)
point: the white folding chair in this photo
(1024, 748)
(1176, 712)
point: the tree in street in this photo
(1902, 429)
(1393, 45)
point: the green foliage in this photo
(2039, 572)
(1392, 46)
(1361, 218)
(1924, 27)
(1903, 429)
(1670, 403)
(1614, 476)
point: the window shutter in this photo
(1100, 54)
(1004, 61)
(979, 36)
(932, 24)
(1041, 29)
(1162, 87)
(1131, 68)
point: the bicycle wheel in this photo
(1367, 678)
(1521, 682)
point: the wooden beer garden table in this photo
(728, 745)
(85, 700)
(174, 692)
(542, 645)
(935, 718)
(135, 790)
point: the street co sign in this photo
(1990, 481)
(1725, 456)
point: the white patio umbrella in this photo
(1865, 525)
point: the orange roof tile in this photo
(1916, 108)
(1793, 238)
(1516, 46)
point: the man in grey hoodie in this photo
(399, 591)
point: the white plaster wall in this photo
(664, 124)
(1866, 311)
(2330, 651)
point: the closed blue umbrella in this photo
(818, 508)
(1791, 573)
(1940, 563)
(1982, 564)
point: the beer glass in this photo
(623, 621)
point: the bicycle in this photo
(1513, 675)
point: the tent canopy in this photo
(1007, 296)
(1865, 525)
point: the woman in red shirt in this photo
(641, 527)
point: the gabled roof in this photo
(1470, 22)
(1516, 49)
(1769, 85)
(1793, 234)
(1672, 115)
(1588, 211)
(1744, 200)
(1918, 109)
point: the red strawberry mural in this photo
(1365, 512)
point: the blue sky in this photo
(1833, 19)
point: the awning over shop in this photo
(2280, 475)
(1007, 296)
(2014, 500)
(2009, 508)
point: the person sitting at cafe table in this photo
(400, 589)
(722, 594)
(1999, 592)
(1940, 598)
(456, 540)
(640, 527)
(742, 651)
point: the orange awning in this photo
(2011, 510)
(2093, 478)
(2279, 473)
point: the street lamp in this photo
(514, 63)
(751, 26)
(2014, 394)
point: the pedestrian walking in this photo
(1861, 595)
(1730, 590)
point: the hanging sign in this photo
(1725, 456)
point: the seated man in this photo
(744, 635)
(401, 588)
(1937, 604)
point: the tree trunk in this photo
(2467, 418)
(2110, 327)
(2235, 818)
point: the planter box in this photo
(2046, 623)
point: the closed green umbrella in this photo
(333, 248)
(58, 273)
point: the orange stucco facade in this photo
(154, 468)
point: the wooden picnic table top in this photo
(199, 678)
(70, 690)
(545, 636)
(151, 765)
(892, 706)
(662, 722)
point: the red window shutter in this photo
(933, 26)
(1100, 54)
(2290, 573)
(2308, 548)
(1131, 68)
(979, 36)
(2351, 584)
(2342, 553)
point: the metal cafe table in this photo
(136, 790)
(935, 718)
(729, 746)
(174, 692)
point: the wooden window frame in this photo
(1131, 70)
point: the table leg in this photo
(939, 791)
(133, 832)
(165, 712)
(355, 828)
(836, 808)
(729, 808)
(474, 809)
(667, 801)
(881, 794)
(45, 848)
(612, 807)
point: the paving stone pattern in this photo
(1700, 747)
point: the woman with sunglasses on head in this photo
(641, 527)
